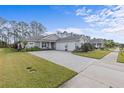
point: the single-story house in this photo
(53, 41)
(98, 43)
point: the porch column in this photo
(40, 44)
(49, 45)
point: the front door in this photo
(53, 45)
(66, 47)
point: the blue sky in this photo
(95, 21)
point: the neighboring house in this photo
(98, 43)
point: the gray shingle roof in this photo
(97, 41)
(34, 38)
(50, 38)
(70, 38)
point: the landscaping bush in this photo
(3, 44)
(87, 47)
(31, 49)
(102, 48)
(91, 47)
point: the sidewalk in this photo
(111, 57)
(103, 73)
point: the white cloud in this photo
(83, 11)
(108, 19)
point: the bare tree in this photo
(7, 34)
(37, 28)
(14, 30)
(2, 21)
(23, 30)
(2, 36)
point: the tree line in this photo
(15, 31)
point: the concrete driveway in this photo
(98, 76)
(92, 73)
(66, 59)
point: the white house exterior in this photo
(70, 43)
(98, 43)
(63, 41)
(44, 42)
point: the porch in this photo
(48, 45)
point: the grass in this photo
(97, 54)
(22, 70)
(121, 57)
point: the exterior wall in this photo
(98, 45)
(30, 44)
(33, 44)
(70, 46)
(83, 40)
(40, 45)
(37, 44)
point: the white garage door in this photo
(70, 46)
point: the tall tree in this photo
(23, 30)
(37, 28)
(14, 30)
(7, 34)
(2, 21)
(2, 36)
(109, 43)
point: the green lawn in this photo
(121, 57)
(97, 54)
(20, 69)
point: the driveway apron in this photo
(66, 59)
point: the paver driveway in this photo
(67, 59)
(105, 72)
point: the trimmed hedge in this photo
(32, 49)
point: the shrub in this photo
(87, 47)
(31, 49)
(102, 48)
(91, 47)
(3, 44)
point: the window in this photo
(43, 44)
(31, 43)
(81, 44)
(99, 44)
